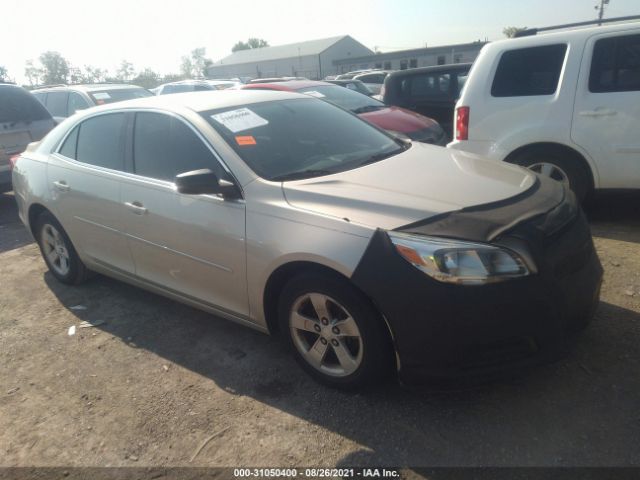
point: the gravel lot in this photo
(156, 379)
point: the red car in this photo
(395, 120)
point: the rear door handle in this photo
(61, 186)
(598, 112)
(136, 207)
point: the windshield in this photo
(344, 97)
(301, 138)
(102, 97)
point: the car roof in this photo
(288, 85)
(200, 101)
(433, 69)
(560, 35)
(87, 87)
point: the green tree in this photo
(147, 78)
(33, 73)
(55, 68)
(510, 32)
(186, 67)
(125, 71)
(4, 73)
(249, 44)
(199, 61)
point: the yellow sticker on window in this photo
(245, 140)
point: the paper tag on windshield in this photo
(101, 95)
(240, 119)
(313, 93)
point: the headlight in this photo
(454, 261)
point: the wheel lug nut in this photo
(336, 330)
(324, 321)
(323, 340)
(317, 328)
(334, 342)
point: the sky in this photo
(156, 34)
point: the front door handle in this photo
(598, 112)
(136, 207)
(61, 186)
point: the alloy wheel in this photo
(326, 335)
(55, 249)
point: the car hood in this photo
(415, 185)
(398, 119)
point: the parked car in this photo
(355, 85)
(564, 104)
(219, 84)
(63, 101)
(183, 86)
(431, 91)
(398, 121)
(275, 79)
(374, 80)
(293, 216)
(22, 120)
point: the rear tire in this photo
(335, 333)
(558, 166)
(58, 251)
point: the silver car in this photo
(367, 253)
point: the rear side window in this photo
(616, 65)
(529, 71)
(57, 103)
(69, 146)
(76, 102)
(18, 105)
(100, 141)
(164, 146)
(431, 85)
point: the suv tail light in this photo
(12, 161)
(462, 123)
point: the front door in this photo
(190, 244)
(607, 108)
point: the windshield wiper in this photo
(368, 108)
(301, 174)
(382, 155)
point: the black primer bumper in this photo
(443, 330)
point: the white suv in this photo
(565, 104)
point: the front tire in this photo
(560, 167)
(58, 251)
(334, 332)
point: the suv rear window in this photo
(18, 105)
(616, 65)
(529, 71)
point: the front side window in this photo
(57, 103)
(529, 71)
(616, 65)
(301, 138)
(163, 147)
(100, 141)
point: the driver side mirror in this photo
(204, 181)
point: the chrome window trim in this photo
(154, 181)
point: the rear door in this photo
(190, 244)
(607, 108)
(84, 179)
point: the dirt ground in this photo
(156, 379)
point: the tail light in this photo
(12, 161)
(462, 123)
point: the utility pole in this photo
(600, 9)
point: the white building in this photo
(313, 59)
(417, 57)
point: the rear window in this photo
(102, 97)
(302, 138)
(344, 98)
(529, 71)
(616, 65)
(18, 105)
